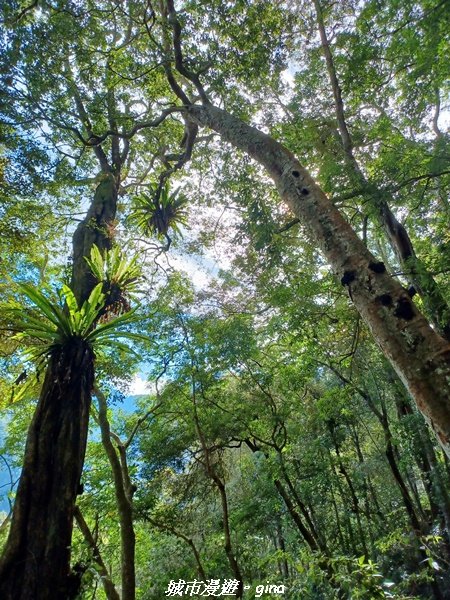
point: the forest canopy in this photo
(224, 313)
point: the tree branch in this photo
(178, 53)
(108, 585)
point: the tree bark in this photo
(124, 501)
(414, 269)
(36, 561)
(108, 585)
(35, 564)
(94, 229)
(420, 356)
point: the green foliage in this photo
(114, 268)
(157, 213)
(51, 325)
(267, 374)
(119, 276)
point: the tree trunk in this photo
(108, 585)
(337, 520)
(307, 536)
(420, 356)
(352, 545)
(36, 561)
(281, 544)
(124, 501)
(301, 505)
(366, 487)
(414, 269)
(94, 229)
(354, 498)
(234, 565)
(220, 485)
(35, 564)
(429, 463)
(407, 500)
(304, 531)
(440, 487)
(391, 456)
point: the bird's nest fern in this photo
(156, 213)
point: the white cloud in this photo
(141, 386)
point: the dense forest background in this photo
(207, 377)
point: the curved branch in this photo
(108, 585)
(178, 52)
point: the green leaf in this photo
(113, 325)
(51, 311)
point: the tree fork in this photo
(419, 355)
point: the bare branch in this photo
(287, 226)
(178, 53)
(25, 10)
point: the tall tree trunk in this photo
(414, 269)
(301, 505)
(391, 456)
(407, 500)
(439, 481)
(420, 356)
(220, 485)
(124, 500)
(306, 534)
(354, 498)
(36, 561)
(94, 229)
(344, 546)
(35, 564)
(366, 486)
(425, 470)
(281, 544)
(440, 486)
(303, 529)
(234, 565)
